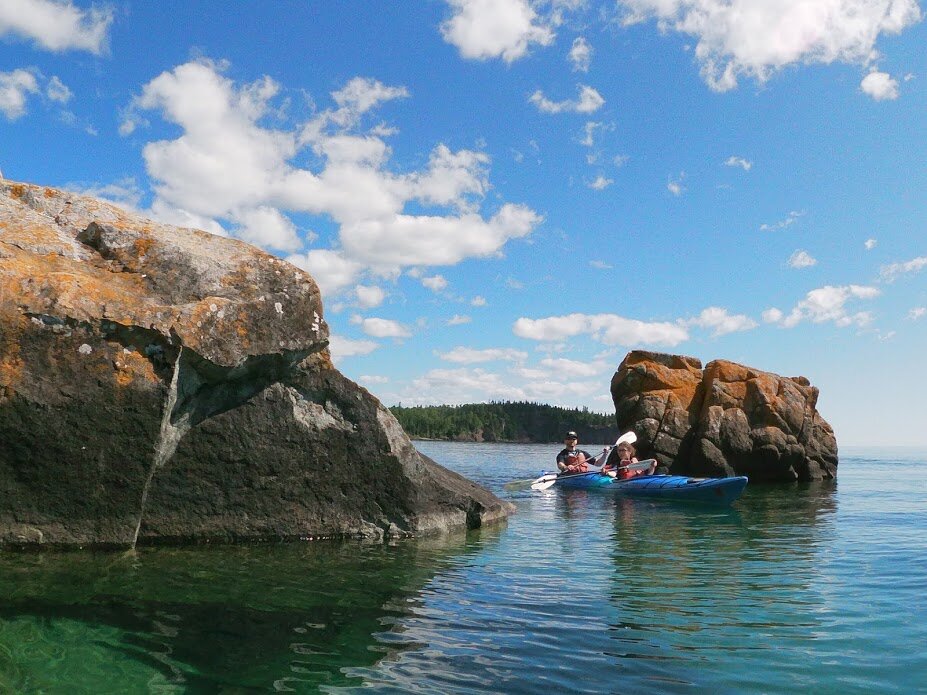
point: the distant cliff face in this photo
(726, 419)
(159, 383)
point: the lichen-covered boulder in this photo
(725, 419)
(159, 383)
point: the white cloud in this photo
(889, 273)
(463, 385)
(458, 320)
(56, 25)
(601, 265)
(226, 162)
(801, 259)
(755, 39)
(782, 224)
(15, 87)
(609, 329)
(369, 297)
(330, 269)
(382, 328)
(589, 133)
(772, 315)
(483, 29)
(721, 322)
(435, 283)
(880, 86)
(870, 244)
(675, 186)
(588, 101)
(372, 379)
(825, 304)
(600, 183)
(917, 312)
(465, 355)
(268, 227)
(571, 369)
(478, 301)
(56, 90)
(734, 161)
(346, 347)
(580, 54)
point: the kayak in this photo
(674, 487)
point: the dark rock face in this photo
(164, 384)
(725, 420)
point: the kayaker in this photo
(571, 459)
(626, 457)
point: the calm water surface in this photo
(815, 588)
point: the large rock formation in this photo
(725, 420)
(164, 384)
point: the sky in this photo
(500, 198)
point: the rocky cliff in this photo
(725, 419)
(165, 384)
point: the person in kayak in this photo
(625, 457)
(571, 459)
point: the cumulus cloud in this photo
(56, 25)
(465, 355)
(572, 369)
(755, 39)
(870, 244)
(600, 183)
(880, 86)
(801, 259)
(675, 186)
(56, 90)
(588, 101)
(330, 269)
(484, 29)
(369, 297)
(734, 161)
(826, 304)
(15, 87)
(340, 347)
(435, 283)
(580, 54)
(721, 322)
(917, 313)
(891, 272)
(609, 329)
(792, 218)
(228, 165)
(382, 328)
(458, 320)
(267, 226)
(478, 301)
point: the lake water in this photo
(816, 588)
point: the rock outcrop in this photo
(165, 384)
(725, 419)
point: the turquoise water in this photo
(816, 588)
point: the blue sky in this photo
(500, 198)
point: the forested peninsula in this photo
(504, 422)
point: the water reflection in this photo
(286, 617)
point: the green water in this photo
(816, 588)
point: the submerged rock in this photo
(165, 384)
(725, 419)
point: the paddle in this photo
(626, 438)
(546, 481)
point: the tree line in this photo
(504, 421)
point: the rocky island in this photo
(726, 419)
(160, 384)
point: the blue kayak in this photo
(674, 487)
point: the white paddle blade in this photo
(626, 438)
(544, 482)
